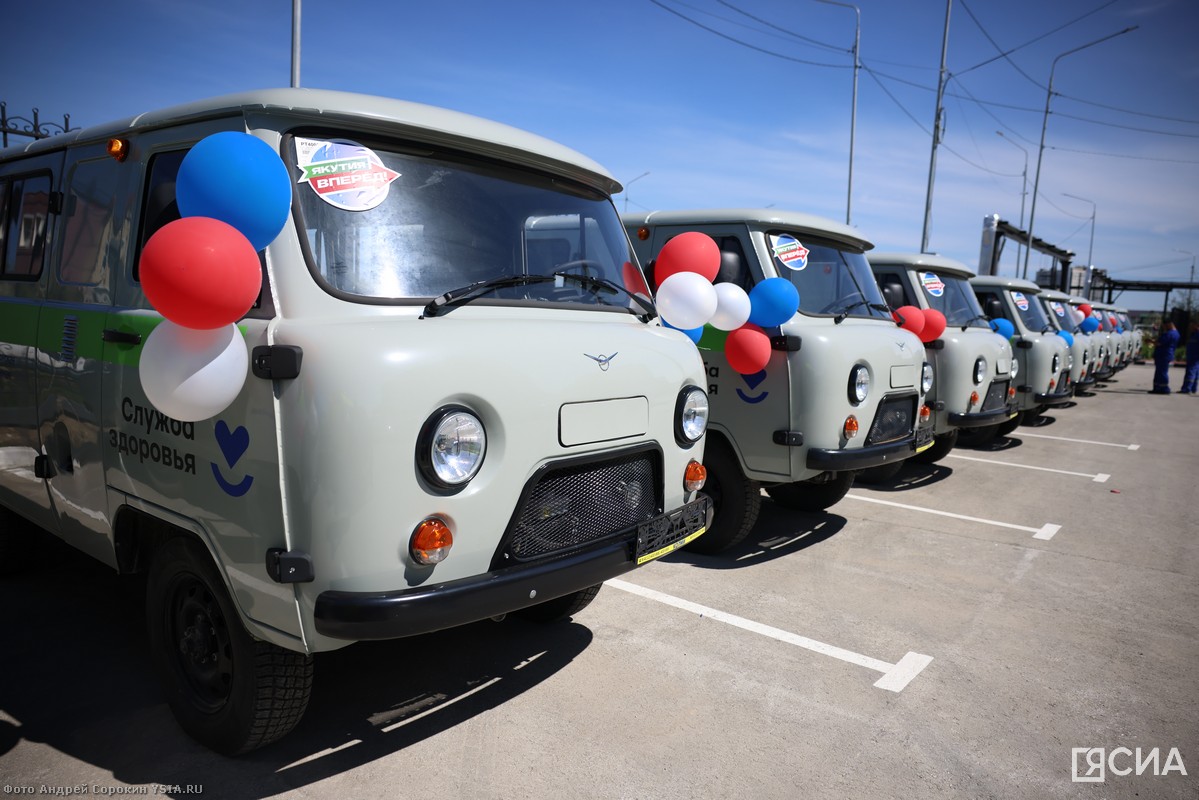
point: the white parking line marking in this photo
(1046, 531)
(1080, 441)
(895, 676)
(1096, 478)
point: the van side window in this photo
(893, 289)
(733, 267)
(159, 206)
(25, 234)
(89, 237)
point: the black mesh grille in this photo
(996, 396)
(573, 505)
(895, 420)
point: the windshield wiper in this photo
(599, 286)
(983, 317)
(464, 294)
(843, 313)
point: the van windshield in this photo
(1060, 316)
(1030, 311)
(953, 297)
(384, 225)
(830, 279)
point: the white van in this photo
(1085, 348)
(972, 365)
(1043, 358)
(844, 387)
(457, 409)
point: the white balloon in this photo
(732, 307)
(686, 300)
(191, 374)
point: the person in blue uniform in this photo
(1163, 355)
(1192, 374)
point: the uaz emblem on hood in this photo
(903, 346)
(602, 360)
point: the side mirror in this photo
(993, 309)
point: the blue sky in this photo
(763, 120)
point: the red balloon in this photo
(688, 252)
(1085, 308)
(1113, 321)
(747, 349)
(200, 273)
(913, 318)
(934, 325)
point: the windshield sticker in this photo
(932, 284)
(344, 174)
(1021, 300)
(788, 250)
(1057, 308)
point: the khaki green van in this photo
(459, 403)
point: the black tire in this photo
(812, 496)
(879, 474)
(1004, 428)
(228, 691)
(561, 608)
(979, 437)
(941, 446)
(736, 500)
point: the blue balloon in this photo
(772, 302)
(1069, 337)
(1003, 327)
(1089, 325)
(1119, 329)
(238, 179)
(695, 334)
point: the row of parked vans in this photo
(460, 402)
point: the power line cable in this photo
(792, 34)
(735, 40)
(1005, 54)
(1124, 127)
(772, 30)
(1127, 110)
(1121, 155)
(998, 49)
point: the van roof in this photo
(929, 260)
(795, 220)
(428, 123)
(1018, 284)
(1054, 294)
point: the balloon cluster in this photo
(1003, 327)
(201, 272)
(926, 323)
(1069, 337)
(685, 270)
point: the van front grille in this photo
(894, 420)
(577, 503)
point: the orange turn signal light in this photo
(694, 476)
(925, 413)
(118, 148)
(431, 541)
(1052, 384)
(1011, 391)
(850, 429)
(643, 233)
(974, 398)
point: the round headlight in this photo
(859, 384)
(451, 447)
(926, 379)
(980, 370)
(1057, 363)
(692, 418)
(1015, 368)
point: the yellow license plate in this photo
(670, 548)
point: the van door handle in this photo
(121, 337)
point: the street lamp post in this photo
(626, 190)
(853, 111)
(295, 44)
(938, 119)
(1091, 246)
(1190, 292)
(1023, 192)
(1036, 184)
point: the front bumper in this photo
(982, 419)
(862, 457)
(424, 609)
(1055, 398)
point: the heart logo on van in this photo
(233, 443)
